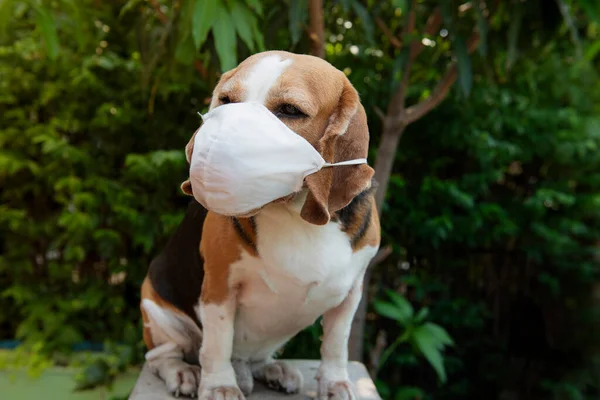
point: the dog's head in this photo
(319, 103)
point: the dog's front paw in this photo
(221, 393)
(336, 390)
(181, 378)
(281, 376)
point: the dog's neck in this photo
(297, 202)
(293, 205)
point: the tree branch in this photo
(317, 29)
(159, 14)
(381, 255)
(379, 112)
(432, 26)
(375, 353)
(388, 33)
(438, 94)
(200, 68)
(566, 13)
(165, 21)
(440, 91)
(398, 101)
(394, 124)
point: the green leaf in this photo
(79, 18)
(439, 333)
(225, 39)
(242, 17)
(592, 51)
(482, 27)
(204, 16)
(447, 14)
(421, 315)
(258, 35)
(6, 13)
(45, 21)
(74, 253)
(298, 16)
(256, 5)
(345, 5)
(409, 393)
(591, 8)
(461, 198)
(129, 6)
(401, 303)
(465, 73)
(389, 310)
(185, 50)
(429, 347)
(401, 4)
(513, 35)
(400, 310)
(365, 20)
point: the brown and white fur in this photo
(235, 290)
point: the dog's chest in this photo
(302, 271)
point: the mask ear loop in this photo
(337, 164)
(348, 162)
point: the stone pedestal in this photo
(150, 387)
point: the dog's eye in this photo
(289, 111)
(224, 99)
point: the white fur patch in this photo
(336, 331)
(215, 353)
(167, 326)
(303, 271)
(162, 350)
(173, 335)
(263, 76)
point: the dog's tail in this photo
(170, 329)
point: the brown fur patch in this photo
(345, 138)
(220, 247)
(359, 220)
(372, 236)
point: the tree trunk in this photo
(386, 154)
(317, 29)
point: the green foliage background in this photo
(493, 210)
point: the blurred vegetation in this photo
(492, 212)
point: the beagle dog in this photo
(227, 293)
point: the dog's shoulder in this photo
(177, 272)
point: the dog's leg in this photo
(278, 375)
(333, 372)
(172, 337)
(180, 377)
(218, 380)
(243, 374)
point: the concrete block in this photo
(151, 387)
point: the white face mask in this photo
(244, 157)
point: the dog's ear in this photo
(186, 186)
(345, 138)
